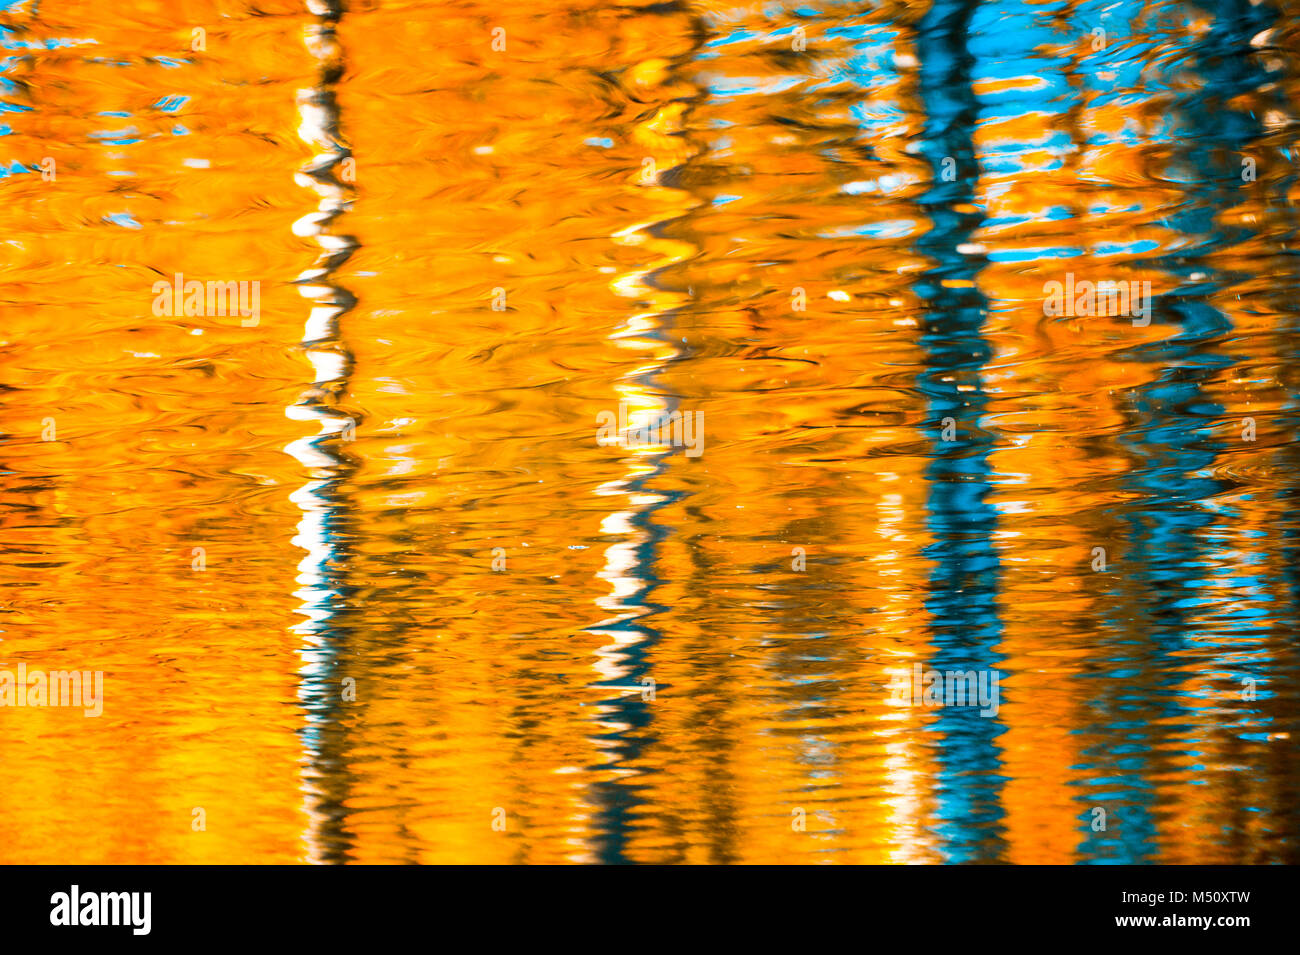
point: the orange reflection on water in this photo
(365, 587)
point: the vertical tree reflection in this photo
(325, 528)
(963, 586)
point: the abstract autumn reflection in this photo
(364, 585)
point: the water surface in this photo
(365, 587)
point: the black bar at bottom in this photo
(1219, 905)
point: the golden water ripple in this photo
(393, 486)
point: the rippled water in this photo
(364, 584)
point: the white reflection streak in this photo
(330, 363)
(624, 568)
